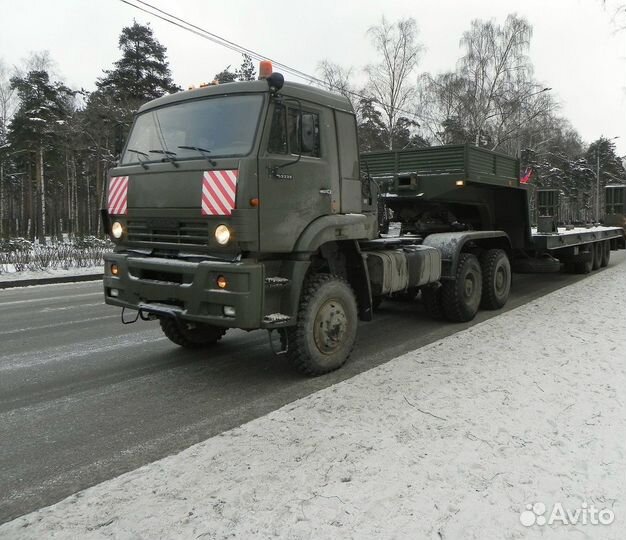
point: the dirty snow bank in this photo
(50, 273)
(451, 441)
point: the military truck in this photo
(246, 205)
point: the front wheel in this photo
(325, 331)
(190, 335)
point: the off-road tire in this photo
(461, 296)
(598, 248)
(496, 269)
(327, 307)
(606, 253)
(196, 337)
(431, 298)
(585, 267)
(569, 267)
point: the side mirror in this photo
(307, 128)
(120, 139)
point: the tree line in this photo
(490, 99)
(57, 143)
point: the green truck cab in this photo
(221, 199)
(246, 205)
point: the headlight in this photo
(117, 230)
(222, 234)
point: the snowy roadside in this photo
(28, 275)
(450, 441)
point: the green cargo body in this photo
(480, 187)
(450, 162)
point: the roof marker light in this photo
(265, 69)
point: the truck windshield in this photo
(222, 126)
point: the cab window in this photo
(286, 132)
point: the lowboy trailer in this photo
(246, 205)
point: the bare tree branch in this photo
(389, 80)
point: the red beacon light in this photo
(265, 69)
(274, 80)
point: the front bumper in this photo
(170, 287)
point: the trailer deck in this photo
(574, 237)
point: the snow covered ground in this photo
(451, 441)
(50, 273)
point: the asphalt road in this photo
(84, 398)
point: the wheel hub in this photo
(330, 326)
(469, 286)
(500, 280)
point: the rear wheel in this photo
(190, 335)
(496, 270)
(569, 267)
(325, 331)
(461, 296)
(597, 255)
(606, 253)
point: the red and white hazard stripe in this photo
(219, 190)
(118, 195)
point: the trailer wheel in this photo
(496, 269)
(431, 298)
(606, 253)
(598, 248)
(461, 296)
(325, 331)
(190, 335)
(584, 267)
(569, 267)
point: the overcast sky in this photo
(576, 48)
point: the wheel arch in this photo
(336, 228)
(344, 258)
(451, 245)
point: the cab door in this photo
(295, 179)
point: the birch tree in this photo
(502, 94)
(339, 79)
(492, 97)
(391, 79)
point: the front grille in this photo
(168, 232)
(153, 275)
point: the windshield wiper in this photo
(203, 151)
(168, 156)
(139, 153)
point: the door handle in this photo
(326, 191)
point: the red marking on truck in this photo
(528, 174)
(118, 195)
(219, 189)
